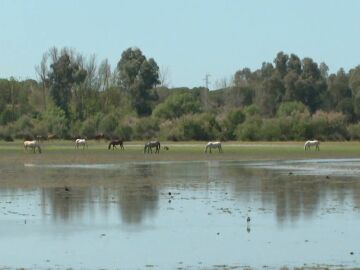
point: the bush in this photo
(147, 128)
(88, 128)
(354, 131)
(124, 132)
(250, 130)
(291, 108)
(232, 120)
(56, 121)
(330, 126)
(177, 105)
(270, 130)
(108, 124)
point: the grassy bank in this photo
(61, 151)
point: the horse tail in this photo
(145, 148)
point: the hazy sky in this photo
(189, 38)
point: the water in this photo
(167, 215)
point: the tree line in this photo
(73, 95)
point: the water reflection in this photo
(202, 207)
(136, 191)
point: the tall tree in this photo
(42, 72)
(138, 76)
(64, 74)
(281, 61)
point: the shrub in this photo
(250, 130)
(108, 124)
(291, 108)
(354, 131)
(146, 128)
(270, 130)
(177, 105)
(124, 132)
(88, 128)
(56, 121)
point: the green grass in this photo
(98, 151)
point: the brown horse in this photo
(114, 143)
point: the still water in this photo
(185, 215)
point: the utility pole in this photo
(12, 98)
(205, 97)
(206, 79)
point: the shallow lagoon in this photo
(166, 215)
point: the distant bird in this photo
(248, 219)
(67, 189)
(327, 177)
(169, 193)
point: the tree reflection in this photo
(134, 193)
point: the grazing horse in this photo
(149, 145)
(114, 143)
(308, 144)
(211, 145)
(33, 145)
(80, 142)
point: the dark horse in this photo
(149, 145)
(114, 143)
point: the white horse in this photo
(80, 142)
(32, 144)
(211, 145)
(309, 144)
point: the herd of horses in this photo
(149, 146)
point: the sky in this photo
(188, 38)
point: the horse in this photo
(79, 142)
(32, 144)
(114, 143)
(211, 145)
(40, 138)
(52, 137)
(149, 145)
(99, 136)
(308, 144)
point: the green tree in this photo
(64, 74)
(138, 76)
